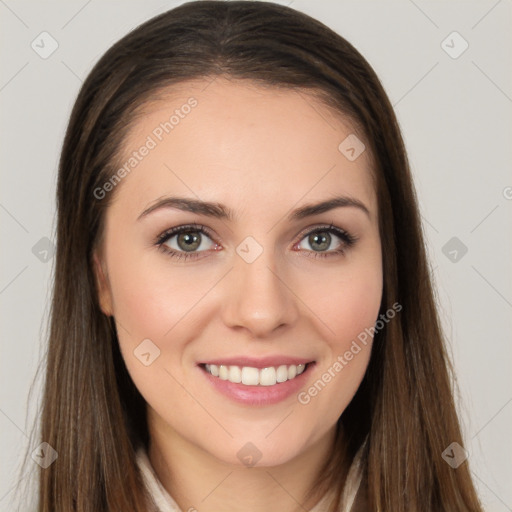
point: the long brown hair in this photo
(93, 415)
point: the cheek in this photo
(354, 309)
(146, 304)
(351, 303)
(148, 301)
(150, 311)
(349, 309)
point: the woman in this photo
(243, 316)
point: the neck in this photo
(198, 481)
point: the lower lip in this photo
(259, 395)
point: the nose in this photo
(258, 298)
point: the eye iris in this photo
(325, 239)
(189, 242)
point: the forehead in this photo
(238, 142)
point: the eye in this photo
(185, 241)
(320, 239)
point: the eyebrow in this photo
(220, 211)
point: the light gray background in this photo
(456, 119)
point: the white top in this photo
(165, 503)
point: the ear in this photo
(102, 285)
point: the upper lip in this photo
(258, 362)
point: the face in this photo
(252, 284)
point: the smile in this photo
(250, 376)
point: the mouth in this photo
(252, 386)
(252, 376)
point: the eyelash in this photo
(348, 239)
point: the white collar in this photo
(160, 496)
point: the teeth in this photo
(268, 376)
(223, 372)
(282, 373)
(250, 376)
(254, 376)
(235, 374)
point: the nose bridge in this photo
(260, 299)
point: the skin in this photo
(261, 152)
